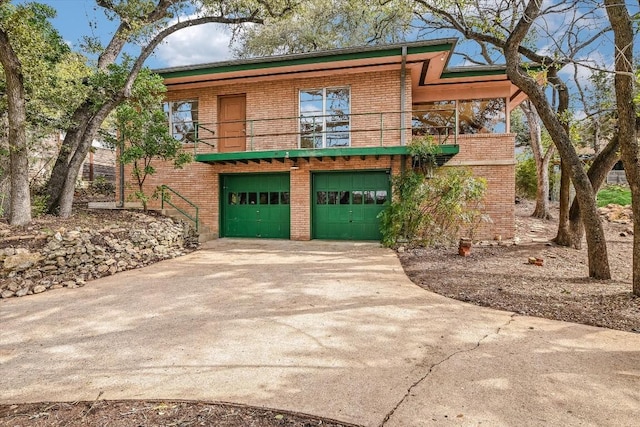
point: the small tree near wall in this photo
(144, 134)
(435, 211)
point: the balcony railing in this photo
(384, 129)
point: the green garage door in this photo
(256, 205)
(346, 204)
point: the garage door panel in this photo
(346, 204)
(256, 205)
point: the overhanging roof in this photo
(325, 59)
(425, 60)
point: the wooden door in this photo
(232, 126)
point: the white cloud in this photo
(195, 45)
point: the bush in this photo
(434, 211)
(614, 194)
(526, 177)
(38, 205)
(101, 185)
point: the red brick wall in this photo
(491, 156)
(488, 155)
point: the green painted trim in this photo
(315, 153)
(484, 71)
(307, 59)
(472, 73)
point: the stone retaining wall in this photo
(69, 258)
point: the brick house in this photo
(303, 146)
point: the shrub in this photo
(38, 205)
(526, 177)
(433, 211)
(614, 194)
(101, 185)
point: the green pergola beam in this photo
(281, 155)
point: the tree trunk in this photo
(596, 244)
(68, 148)
(20, 209)
(627, 127)
(65, 199)
(542, 162)
(597, 174)
(563, 236)
(86, 123)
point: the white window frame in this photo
(169, 112)
(324, 115)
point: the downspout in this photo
(121, 149)
(403, 95)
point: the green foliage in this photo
(433, 211)
(614, 194)
(423, 151)
(142, 124)
(327, 24)
(52, 73)
(520, 127)
(38, 205)
(101, 185)
(526, 177)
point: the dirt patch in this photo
(152, 413)
(500, 275)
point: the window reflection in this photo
(474, 116)
(344, 198)
(321, 197)
(381, 197)
(183, 119)
(284, 198)
(325, 118)
(369, 197)
(274, 198)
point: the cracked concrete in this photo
(431, 368)
(333, 329)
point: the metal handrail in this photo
(442, 133)
(196, 219)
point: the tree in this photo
(542, 159)
(51, 74)
(327, 24)
(510, 28)
(142, 125)
(147, 23)
(20, 213)
(625, 80)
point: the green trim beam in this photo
(445, 152)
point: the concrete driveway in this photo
(332, 329)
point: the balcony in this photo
(317, 136)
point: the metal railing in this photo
(329, 131)
(167, 192)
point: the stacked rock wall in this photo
(69, 258)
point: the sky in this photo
(202, 44)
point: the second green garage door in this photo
(346, 204)
(256, 205)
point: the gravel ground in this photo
(500, 275)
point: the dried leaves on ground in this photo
(126, 413)
(499, 275)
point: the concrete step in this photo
(204, 232)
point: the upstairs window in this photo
(325, 118)
(183, 119)
(474, 116)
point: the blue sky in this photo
(79, 18)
